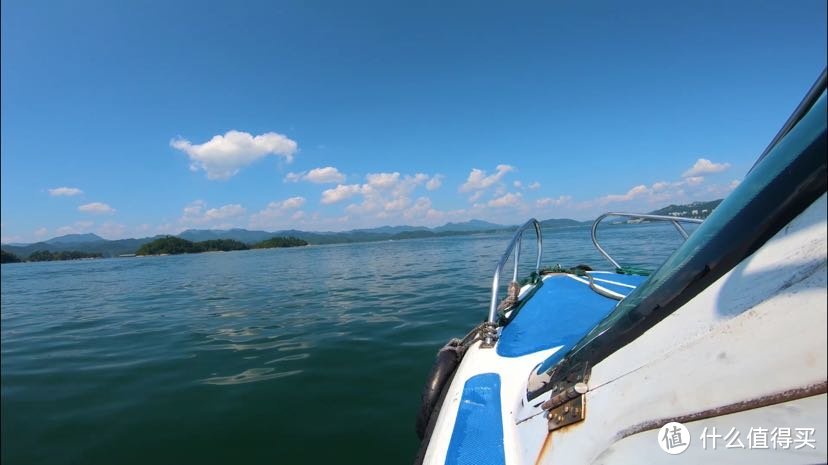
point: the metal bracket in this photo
(488, 332)
(568, 404)
(572, 411)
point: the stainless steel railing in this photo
(676, 220)
(516, 241)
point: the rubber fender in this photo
(441, 372)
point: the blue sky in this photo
(137, 118)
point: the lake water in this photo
(304, 355)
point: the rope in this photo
(631, 270)
(578, 270)
(478, 333)
(600, 290)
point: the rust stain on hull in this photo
(764, 401)
(546, 444)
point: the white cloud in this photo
(435, 182)
(633, 193)
(65, 191)
(340, 193)
(196, 213)
(478, 179)
(396, 204)
(419, 210)
(78, 227)
(110, 230)
(326, 175)
(224, 212)
(41, 232)
(660, 186)
(535, 185)
(380, 192)
(274, 213)
(96, 208)
(705, 166)
(385, 198)
(293, 202)
(507, 200)
(518, 184)
(386, 193)
(734, 184)
(476, 196)
(382, 180)
(224, 155)
(295, 177)
(694, 180)
(552, 202)
(193, 211)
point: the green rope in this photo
(631, 270)
(533, 278)
(579, 270)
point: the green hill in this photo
(690, 210)
(171, 245)
(6, 257)
(276, 242)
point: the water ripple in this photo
(190, 352)
(251, 375)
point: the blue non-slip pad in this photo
(561, 312)
(477, 438)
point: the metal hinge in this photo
(567, 404)
(566, 407)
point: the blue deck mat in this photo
(477, 438)
(561, 312)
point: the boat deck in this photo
(547, 325)
(561, 312)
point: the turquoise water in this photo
(305, 355)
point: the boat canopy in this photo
(789, 176)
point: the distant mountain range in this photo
(92, 243)
(112, 248)
(75, 239)
(101, 246)
(472, 225)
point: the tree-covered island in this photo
(6, 257)
(46, 256)
(171, 245)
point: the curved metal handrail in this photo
(517, 239)
(676, 220)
